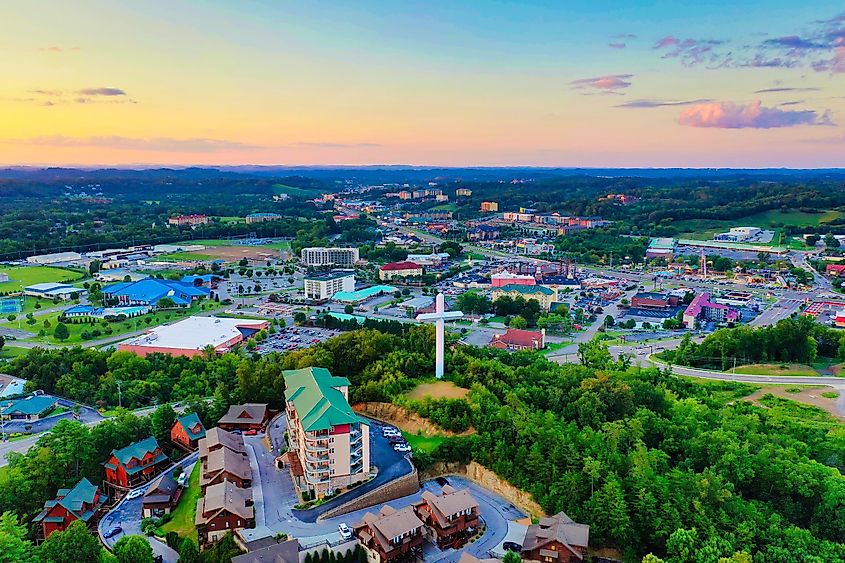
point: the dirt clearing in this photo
(437, 390)
(808, 395)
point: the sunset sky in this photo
(553, 83)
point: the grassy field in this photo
(293, 190)
(231, 219)
(11, 352)
(186, 257)
(182, 521)
(422, 442)
(704, 229)
(118, 328)
(22, 276)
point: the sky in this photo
(442, 83)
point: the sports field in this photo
(22, 276)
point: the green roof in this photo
(31, 405)
(188, 422)
(137, 450)
(527, 289)
(318, 402)
(74, 500)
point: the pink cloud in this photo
(609, 82)
(666, 42)
(728, 115)
(617, 45)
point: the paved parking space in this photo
(293, 338)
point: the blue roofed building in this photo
(148, 292)
(33, 407)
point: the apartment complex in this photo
(192, 220)
(323, 287)
(337, 257)
(391, 535)
(330, 442)
(489, 206)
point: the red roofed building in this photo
(450, 517)
(834, 269)
(400, 270)
(518, 339)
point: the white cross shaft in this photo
(439, 317)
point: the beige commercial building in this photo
(320, 288)
(336, 257)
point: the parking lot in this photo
(293, 338)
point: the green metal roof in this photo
(30, 405)
(74, 500)
(527, 289)
(137, 450)
(318, 403)
(188, 422)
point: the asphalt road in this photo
(274, 499)
(128, 515)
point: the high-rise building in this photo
(337, 257)
(331, 443)
(322, 287)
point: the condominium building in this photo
(330, 442)
(489, 206)
(192, 220)
(323, 287)
(337, 257)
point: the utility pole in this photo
(119, 395)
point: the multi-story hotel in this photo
(322, 287)
(337, 257)
(330, 443)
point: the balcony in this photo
(321, 447)
(316, 458)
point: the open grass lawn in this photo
(22, 276)
(232, 219)
(422, 442)
(293, 190)
(205, 242)
(117, 328)
(182, 521)
(10, 352)
(704, 229)
(279, 245)
(186, 256)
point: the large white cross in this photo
(439, 316)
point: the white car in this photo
(402, 448)
(345, 532)
(135, 494)
(390, 431)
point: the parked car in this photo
(512, 546)
(112, 532)
(442, 481)
(345, 531)
(399, 439)
(250, 432)
(135, 494)
(402, 448)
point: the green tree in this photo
(133, 549)
(188, 552)
(511, 557)
(831, 241)
(682, 545)
(61, 332)
(518, 322)
(162, 421)
(14, 547)
(165, 303)
(348, 309)
(594, 354)
(609, 514)
(75, 544)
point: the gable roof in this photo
(217, 437)
(246, 413)
(150, 290)
(285, 552)
(189, 422)
(390, 523)
(560, 528)
(398, 266)
(227, 461)
(137, 451)
(32, 405)
(79, 501)
(449, 502)
(224, 496)
(519, 337)
(318, 402)
(161, 490)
